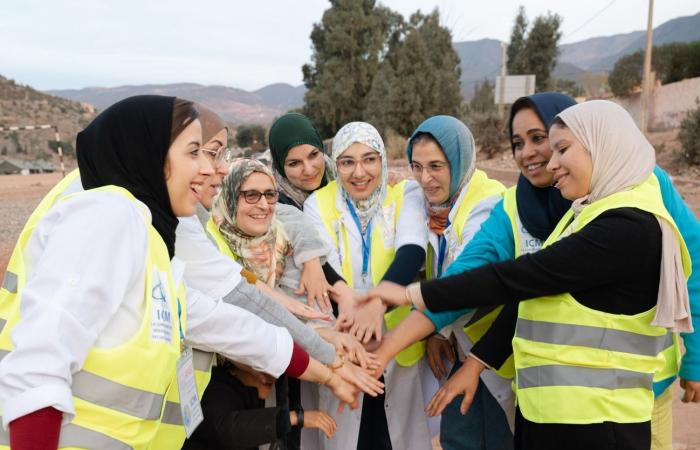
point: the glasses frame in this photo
(258, 195)
(356, 162)
(417, 169)
(222, 154)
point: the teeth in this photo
(196, 187)
(535, 166)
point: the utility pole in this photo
(646, 80)
(504, 62)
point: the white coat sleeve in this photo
(412, 227)
(85, 256)
(215, 326)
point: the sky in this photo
(71, 44)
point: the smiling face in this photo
(434, 172)
(304, 167)
(186, 169)
(571, 164)
(255, 220)
(212, 185)
(531, 147)
(364, 178)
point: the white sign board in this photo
(515, 86)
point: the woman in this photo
(458, 199)
(372, 230)
(141, 166)
(618, 313)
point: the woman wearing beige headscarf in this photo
(606, 291)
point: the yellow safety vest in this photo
(479, 188)
(119, 393)
(577, 365)
(381, 256)
(526, 243)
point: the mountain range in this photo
(479, 60)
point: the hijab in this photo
(540, 209)
(211, 123)
(263, 255)
(457, 143)
(287, 132)
(127, 146)
(622, 158)
(362, 133)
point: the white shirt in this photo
(84, 289)
(410, 228)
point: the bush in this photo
(690, 136)
(487, 129)
(395, 144)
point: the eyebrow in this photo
(197, 143)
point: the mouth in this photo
(559, 180)
(260, 216)
(431, 190)
(216, 188)
(360, 185)
(196, 190)
(534, 167)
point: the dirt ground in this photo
(19, 195)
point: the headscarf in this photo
(457, 143)
(263, 255)
(287, 132)
(211, 123)
(126, 146)
(363, 133)
(540, 209)
(622, 158)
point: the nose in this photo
(206, 166)
(308, 168)
(553, 163)
(425, 177)
(528, 150)
(359, 170)
(222, 168)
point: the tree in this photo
(537, 52)
(480, 114)
(418, 78)
(348, 46)
(253, 136)
(517, 43)
(566, 86)
(689, 135)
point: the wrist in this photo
(338, 362)
(293, 418)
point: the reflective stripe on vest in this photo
(381, 256)
(9, 282)
(114, 407)
(74, 436)
(578, 365)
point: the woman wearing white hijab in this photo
(378, 234)
(606, 291)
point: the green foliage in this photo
(537, 52)
(483, 100)
(483, 121)
(253, 136)
(689, 135)
(348, 46)
(66, 147)
(3, 152)
(671, 62)
(418, 78)
(568, 87)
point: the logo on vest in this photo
(161, 315)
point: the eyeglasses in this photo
(433, 168)
(216, 157)
(347, 165)
(252, 196)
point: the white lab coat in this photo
(85, 282)
(407, 421)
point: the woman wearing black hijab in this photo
(102, 318)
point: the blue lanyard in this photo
(179, 321)
(366, 237)
(442, 249)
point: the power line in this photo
(591, 19)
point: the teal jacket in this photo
(494, 242)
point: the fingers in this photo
(442, 370)
(327, 425)
(433, 367)
(451, 357)
(301, 290)
(438, 403)
(466, 403)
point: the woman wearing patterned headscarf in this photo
(594, 335)
(377, 234)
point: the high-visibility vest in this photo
(577, 365)
(526, 243)
(381, 256)
(119, 393)
(479, 188)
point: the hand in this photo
(313, 283)
(344, 296)
(463, 381)
(436, 347)
(321, 421)
(391, 294)
(301, 310)
(692, 391)
(360, 378)
(369, 320)
(348, 345)
(344, 391)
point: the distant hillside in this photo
(22, 105)
(482, 59)
(234, 105)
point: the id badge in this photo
(190, 407)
